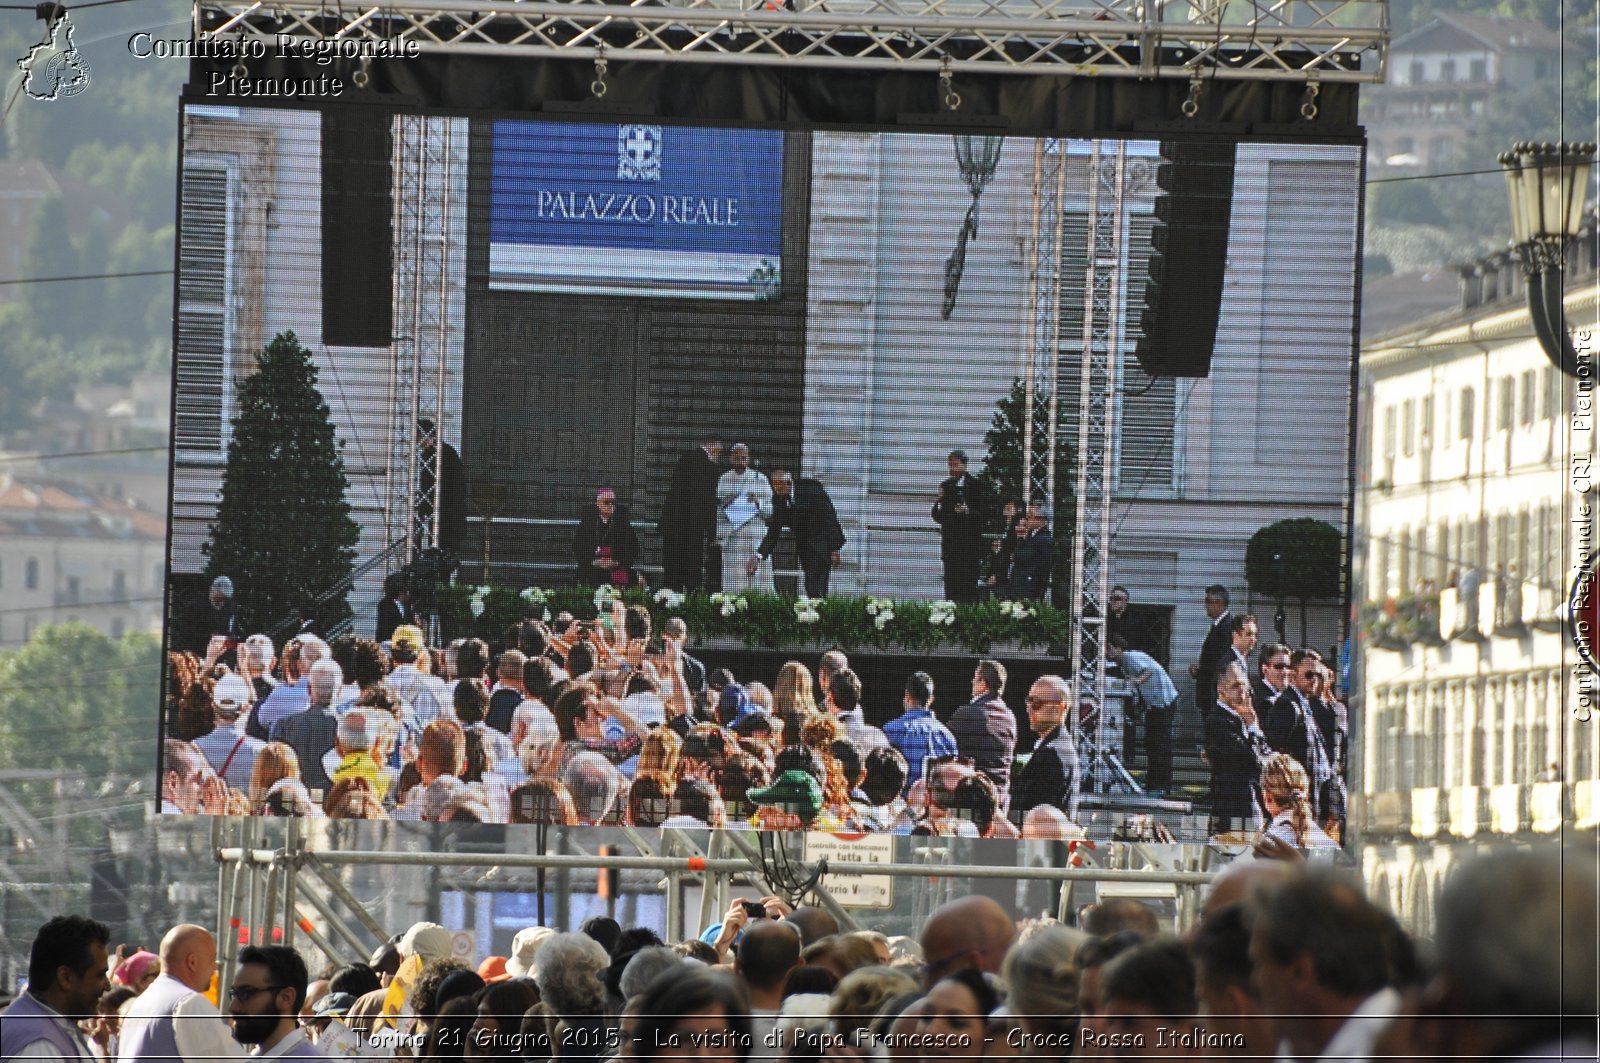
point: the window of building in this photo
(1388, 431)
(1405, 561)
(1419, 555)
(1441, 554)
(1523, 544)
(1419, 73)
(118, 627)
(1521, 728)
(1436, 737)
(1469, 402)
(1447, 71)
(1479, 70)
(1427, 423)
(1478, 753)
(30, 574)
(1529, 388)
(72, 590)
(1408, 427)
(1508, 402)
(1549, 393)
(1380, 566)
(1539, 755)
(119, 585)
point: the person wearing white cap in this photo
(230, 752)
(427, 940)
(523, 948)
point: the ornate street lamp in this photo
(1546, 184)
(976, 156)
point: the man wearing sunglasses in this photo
(1291, 727)
(1272, 679)
(264, 1003)
(1051, 776)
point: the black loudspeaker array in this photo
(357, 226)
(1188, 257)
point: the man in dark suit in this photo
(1032, 560)
(395, 609)
(605, 546)
(1291, 726)
(962, 513)
(1243, 633)
(1051, 776)
(1215, 652)
(1272, 679)
(985, 728)
(689, 517)
(803, 506)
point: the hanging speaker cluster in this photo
(1189, 254)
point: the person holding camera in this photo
(962, 513)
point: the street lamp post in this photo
(976, 157)
(1546, 185)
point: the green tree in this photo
(72, 699)
(283, 533)
(1006, 477)
(1301, 559)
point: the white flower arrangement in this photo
(668, 598)
(604, 595)
(881, 610)
(1017, 611)
(805, 610)
(534, 595)
(730, 603)
(475, 604)
(942, 613)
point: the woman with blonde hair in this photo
(1286, 791)
(792, 699)
(659, 754)
(276, 761)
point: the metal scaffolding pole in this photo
(1099, 372)
(337, 888)
(339, 927)
(1041, 379)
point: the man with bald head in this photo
(172, 1020)
(813, 923)
(1051, 776)
(968, 932)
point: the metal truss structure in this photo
(1096, 454)
(424, 160)
(1043, 370)
(1262, 40)
(277, 877)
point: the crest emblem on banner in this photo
(639, 152)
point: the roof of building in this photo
(59, 510)
(1494, 32)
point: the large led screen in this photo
(624, 472)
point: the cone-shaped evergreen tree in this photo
(283, 533)
(1005, 473)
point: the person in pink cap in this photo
(137, 971)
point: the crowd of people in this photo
(596, 722)
(611, 721)
(1288, 961)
